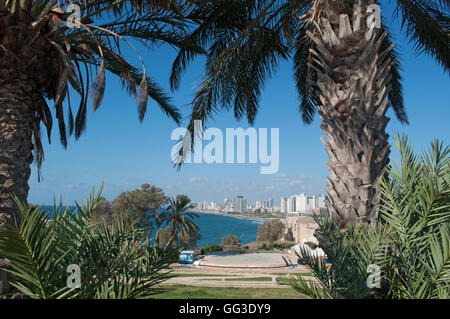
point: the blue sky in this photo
(125, 153)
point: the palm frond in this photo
(29, 247)
(115, 261)
(427, 26)
(59, 52)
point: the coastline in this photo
(210, 212)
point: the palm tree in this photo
(46, 53)
(345, 68)
(178, 216)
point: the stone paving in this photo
(248, 260)
(215, 276)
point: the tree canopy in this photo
(270, 231)
(139, 207)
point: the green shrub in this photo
(210, 249)
(269, 245)
(115, 261)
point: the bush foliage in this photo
(230, 240)
(115, 261)
(270, 231)
(211, 249)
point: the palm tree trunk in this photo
(352, 80)
(16, 129)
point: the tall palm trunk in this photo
(16, 129)
(352, 81)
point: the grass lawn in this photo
(282, 280)
(307, 274)
(185, 292)
(197, 275)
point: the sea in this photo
(214, 227)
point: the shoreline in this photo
(236, 215)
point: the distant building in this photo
(311, 203)
(291, 204)
(302, 228)
(228, 204)
(240, 204)
(283, 205)
(301, 203)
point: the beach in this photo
(214, 212)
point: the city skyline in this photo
(302, 203)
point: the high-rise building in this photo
(283, 205)
(227, 204)
(240, 204)
(291, 204)
(311, 203)
(301, 203)
(258, 204)
(243, 205)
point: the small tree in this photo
(289, 235)
(189, 239)
(164, 236)
(140, 206)
(270, 231)
(230, 240)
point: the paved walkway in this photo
(247, 260)
(215, 276)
